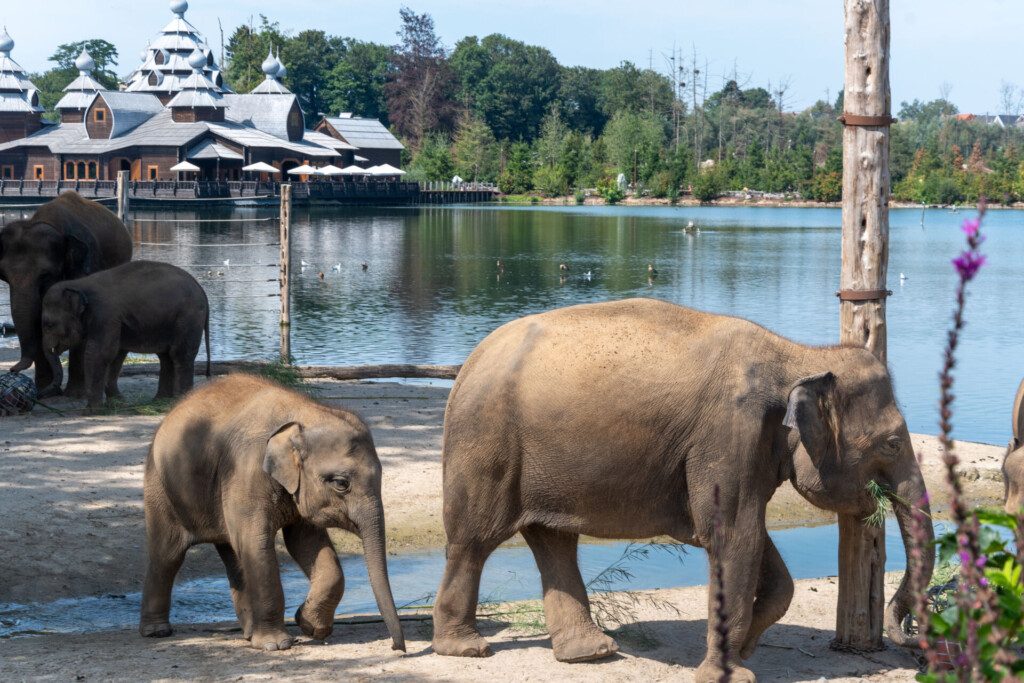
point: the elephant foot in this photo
(74, 391)
(155, 630)
(271, 640)
(50, 391)
(318, 629)
(710, 673)
(474, 646)
(584, 648)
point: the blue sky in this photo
(972, 46)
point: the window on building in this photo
(81, 171)
(7, 172)
(152, 172)
(92, 170)
(99, 115)
(38, 172)
(69, 171)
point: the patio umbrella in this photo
(330, 170)
(305, 169)
(261, 167)
(354, 170)
(184, 167)
(359, 158)
(385, 169)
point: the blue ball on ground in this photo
(17, 394)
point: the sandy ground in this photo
(70, 501)
(660, 645)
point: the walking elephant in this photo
(66, 238)
(1013, 464)
(239, 459)
(621, 420)
(141, 307)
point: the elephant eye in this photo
(339, 483)
(893, 443)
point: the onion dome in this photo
(179, 7)
(85, 63)
(6, 42)
(270, 65)
(282, 70)
(197, 60)
(198, 91)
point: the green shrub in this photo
(826, 186)
(708, 186)
(608, 188)
(550, 181)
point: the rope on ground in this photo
(186, 244)
(204, 220)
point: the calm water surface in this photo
(432, 291)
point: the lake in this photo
(432, 291)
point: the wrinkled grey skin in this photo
(619, 420)
(240, 458)
(1013, 464)
(66, 238)
(139, 307)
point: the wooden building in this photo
(174, 107)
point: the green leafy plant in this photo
(609, 190)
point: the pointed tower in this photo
(80, 92)
(20, 113)
(274, 70)
(199, 98)
(165, 62)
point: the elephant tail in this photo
(206, 332)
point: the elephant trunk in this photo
(53, 360)
(371, 530)
(916, 536)
(25, 310)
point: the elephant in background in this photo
(240, 458)
(140, 307)
(66, 238)
(1013, 464)
(620, 420)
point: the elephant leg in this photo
(574, 635)
(261, 577)
(238, 596)
(313, 551)
(76, 387)
(774, 593)
(44, 375)
(739, 556)
(165, 387)
(167, 542)
(113, 373)
(183, 370)
(97, 365)
(455, 631)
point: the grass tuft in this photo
(883, 504)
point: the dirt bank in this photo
(71, 488)
(664, 641)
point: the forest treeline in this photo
(499, 110)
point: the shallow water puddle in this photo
(510, 574)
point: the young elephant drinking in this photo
(239, 459)
(142, 307)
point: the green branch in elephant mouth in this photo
(883, 498)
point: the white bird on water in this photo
(304, 264)
(588, 275)
(336, 267)
(903, 278)
(227, 262)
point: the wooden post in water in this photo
(284, 273)
(122, 194)
(862, 284)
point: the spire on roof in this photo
(179, 7)
(85, 63)
(274, 70)
(6, 43)
(17, 92)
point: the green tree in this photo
(101, 51)
(475, 151)
(630, 89)
(518, 174)
(310, 56)
(635, 142)
(433, 160)
(580, 99)
(356, 83)
(246, 49)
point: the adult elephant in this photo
(621, 420)
(66, 238)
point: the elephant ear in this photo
(1018, 417)
(285, 452)
(80, 253)
(76, 301)
(810, 411)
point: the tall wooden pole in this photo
(284, 274)
(122, 194)
(865, 261)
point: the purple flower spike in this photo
(968, 264)
(981, 561)
(983, 582)
(970, 226)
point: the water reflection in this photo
(432, 290)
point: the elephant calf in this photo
(1013, 465)
(237, 460)
(142, 307)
